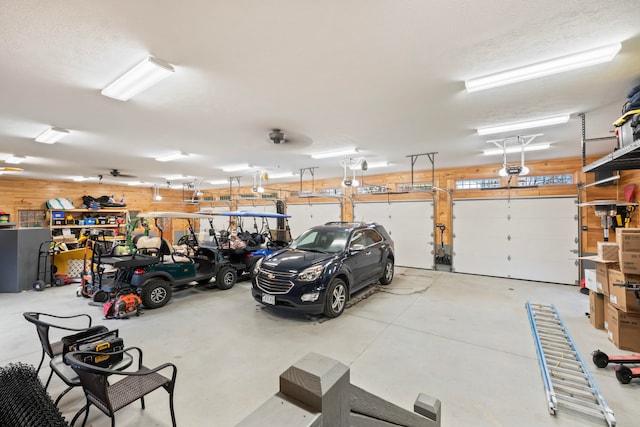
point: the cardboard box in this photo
(630, 262)
(590, 279)
(628, 239)
(608, 251)
(620, 296)
(596, 309)
(623, 329)
(602, 275)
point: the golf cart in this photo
(155, 267)
(260, 242)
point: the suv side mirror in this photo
(356, 247)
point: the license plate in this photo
(269, 299)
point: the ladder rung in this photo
(566, 378)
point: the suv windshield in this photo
(319, 240)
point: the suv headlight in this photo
(310, 274)
(256, 267)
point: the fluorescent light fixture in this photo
(15, 160)
(52, 135)
(218, 181)
(338, 153)
(132, 183)
(546, 68)
(141, 77)
(516, 149)
(176, 177)
(79, 178)
(377, 165)
(524, 125)
(281, 175)
(173, 156)
(236, 168)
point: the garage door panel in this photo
(542, 233)
(307, 215)
(410, 225)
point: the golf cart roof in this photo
(179, 215)
(254, 214)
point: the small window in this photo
(31, 219)
(564, 179)
(477, 184)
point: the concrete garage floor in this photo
(461, 338)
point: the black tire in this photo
(58, 281)
(226, 278)
(600, 359)
(335, 298)
(623, 374)
(387, 273)
(155, 293)
(39, 285)
(100, 296)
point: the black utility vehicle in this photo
(323, 267)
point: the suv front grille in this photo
(275, 282)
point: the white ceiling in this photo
(385, 76)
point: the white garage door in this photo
(531, 239)
(306, 215)
(410, 225)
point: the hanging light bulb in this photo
(156, 194)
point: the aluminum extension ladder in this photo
(567, 380)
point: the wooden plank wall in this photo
(17, 193)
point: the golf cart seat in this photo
(160, 247)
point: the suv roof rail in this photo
(354, 223)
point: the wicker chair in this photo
(134, 385)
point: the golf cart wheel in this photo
(387, 274)
(59, 281)
(39, 285)
(335, 298)
(100, 296)
(155, 293)
(226, 278)
(623, 374)
(600, 359)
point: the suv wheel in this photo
(155, 293)
(226, 278)
(387, 274)
(335, 298)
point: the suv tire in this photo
(155, 293)
(387, 273)
(226, 278)
(335, 298)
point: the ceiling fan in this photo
(279, 138)
(117, 174)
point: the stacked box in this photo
(590, 279)
(608, 251)
(619, 295)
(628, 240)
(623, 329)
(602, 275)
(596, 309)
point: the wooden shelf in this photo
(78, 214)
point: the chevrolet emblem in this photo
(271, 276)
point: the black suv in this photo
(323, 267)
